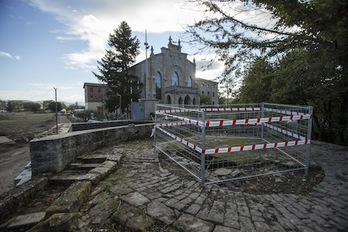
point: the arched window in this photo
(189, 82)
(187, 100)
(175, 79)
(194, 101)
(169, 100)
(180, 101)
(158, 81)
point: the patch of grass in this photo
(242, 157)
(16, 120)
(24, 124)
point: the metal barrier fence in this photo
(218, 144)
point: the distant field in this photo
(25, 125)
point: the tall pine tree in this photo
(114, 68)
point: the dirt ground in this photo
(12, 163)
(16, 155)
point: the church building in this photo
(168, 78)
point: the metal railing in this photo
(219, 144)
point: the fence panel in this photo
(218, 144)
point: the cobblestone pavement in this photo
(142, 196)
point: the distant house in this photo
(208, 88)
(167, 77)
(95, 95)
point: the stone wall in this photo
(53, 153)
(96, 125)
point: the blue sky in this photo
(56, 43)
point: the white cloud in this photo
(8, 55)
(208, 66)
(93, 21)
(5, 54)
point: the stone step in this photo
(94, 175)
(91, 159)
(67, 178)
(24, 222)
(82, 166)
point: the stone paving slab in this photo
(187, 222)
(132, 219)
(184, 204)
(135, 199)
(141, 192)
(161, 212)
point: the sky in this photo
(47, 44)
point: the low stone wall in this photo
(97, 125)
(53, 153)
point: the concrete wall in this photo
(53, 153)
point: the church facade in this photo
(168, 78)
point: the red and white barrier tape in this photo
(220, 123)
(181, 140)
(237, 148)
(286, 132)
(256, 120)
(256, 147)
(176, 111)
(187, 120)
(280, 111)
(230, 109)
(210, 109)
(172, 124)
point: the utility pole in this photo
(55, 93)
(147, 78)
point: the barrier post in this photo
(203, 150)
(309, 135)
(262, 116)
